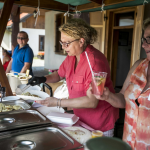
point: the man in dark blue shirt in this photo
(22, 57)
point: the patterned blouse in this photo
(137, 118)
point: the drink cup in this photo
(98, 82)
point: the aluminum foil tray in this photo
(21, 103)
(43, 138)
(23, 118)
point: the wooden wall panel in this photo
(97, 21)
(96, 18)
(30, 10)
(30, 22)
(98, 43)
(137, 34)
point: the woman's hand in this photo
(105, 95)
(49, 102)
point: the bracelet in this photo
(60, 103)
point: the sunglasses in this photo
(147, 40)
(66, 44)
(20, 38)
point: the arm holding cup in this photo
(117, 100)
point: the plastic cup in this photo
(98, 82)
(97, 133)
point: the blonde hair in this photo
(78, 28)
(146, 23)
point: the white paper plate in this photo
(9, 98)
(36, 87)
(41, 94)
(78, 133)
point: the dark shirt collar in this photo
(23, 46)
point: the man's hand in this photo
(36, 80)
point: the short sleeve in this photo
(28, 56)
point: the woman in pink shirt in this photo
(76, 37)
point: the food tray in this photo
(42, 95)
(21, 103)
(19, 119)
(62, 118)
(43, 138)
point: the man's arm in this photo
(25, 67)
(9, 66)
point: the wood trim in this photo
(122, 9)
(109, 37)
(43, 42)
(123, 27)
(44, 4)
(93, 4)
(114, 56)
(125, 10)
(104, 30)
(96, 26)
(137, 33)
(8, 4)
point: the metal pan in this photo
(19, 119)
(44, 138)
(21, 103)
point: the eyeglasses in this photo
(21, 38)
(66, 44)
(147, 40)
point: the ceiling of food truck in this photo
(82, 5)
(74, 2)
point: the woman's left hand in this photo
(49, 102)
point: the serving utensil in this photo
(19, 91)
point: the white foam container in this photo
(63, 118)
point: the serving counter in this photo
(29, 129)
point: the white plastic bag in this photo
(62, 91)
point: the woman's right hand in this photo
(105, 95)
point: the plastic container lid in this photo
(63, 118)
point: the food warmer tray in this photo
(23, 118)
(43, 138)
(21, 103)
